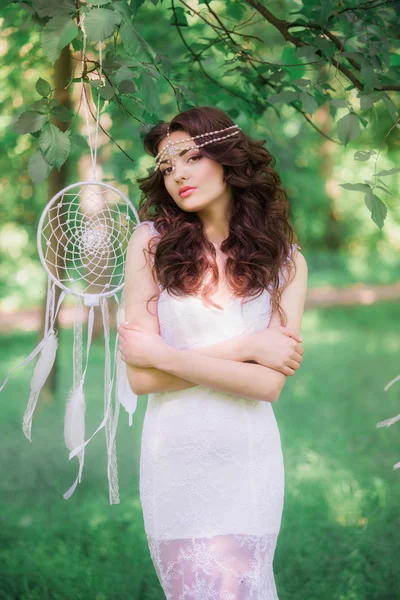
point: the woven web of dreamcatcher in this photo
(83, 237)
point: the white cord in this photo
(93, 152)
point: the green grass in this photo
(340, 530)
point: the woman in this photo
(204, 339)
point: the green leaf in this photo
(127, 86)
(377, 207)
(41, 105)
(38, 168)
(368, 77)
(124, 9)
(325, 12)
(55, 145)
(309, 103)
(77, 45)
(366, 102)
(283, 97)
(106, 91)
(57, 34)
(134, 43)
(307, 52)
(149, 93)
(348, 128)
(78, 142)
(388, 172)
(355, 187)
(327, 47)
(178, 17)
(124, 74)
(362, 155)
(43, 87)
(338, 103)
(301, 82)
(53, 8)
(390, 107)
(100, 23)
(62, 114)
(29, 122)
(135, 5)
(384, 189)
(101, 2)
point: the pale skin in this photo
(154, 366)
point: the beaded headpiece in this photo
(169, 152)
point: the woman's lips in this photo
(187, 192)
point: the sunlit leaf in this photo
(78, 142)
(57, 34)
(43, 87)
(100, 23)
(368, 77)
(388, 172)
(38, 168)
(29, 122)
(362, 155)
(355, 187)
(54, 8)
(309, 103)
(377, 207)
(106, 91)
(348, 128)
(134, 43)
(55, 145)
(283, 97)
(390, 107)
(62, 114)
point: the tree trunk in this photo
(57, 181)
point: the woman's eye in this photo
(195, 156)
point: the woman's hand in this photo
(140, 348)
(278, 348)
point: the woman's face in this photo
(202, 174)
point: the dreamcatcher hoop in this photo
(91, 243)
(49, 206)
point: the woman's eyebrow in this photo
(180, 154)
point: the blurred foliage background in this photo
(340, 529)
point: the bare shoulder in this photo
(301, 271)
(294, 293)
(140, 285)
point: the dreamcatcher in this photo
(82, 240)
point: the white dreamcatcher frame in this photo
(74, 423)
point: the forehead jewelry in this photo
(172, 148)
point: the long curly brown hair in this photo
(258, 246)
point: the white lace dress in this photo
(211, 469)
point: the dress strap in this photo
(151, 225)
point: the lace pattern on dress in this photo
(211, 470)
(226, 567)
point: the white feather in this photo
(388, 422)
(126, 396)
(41, 372)
(74, 421)
(45, 363)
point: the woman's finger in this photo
(297, 356)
